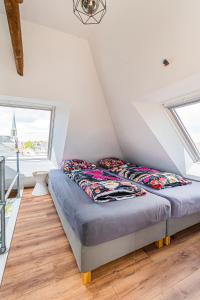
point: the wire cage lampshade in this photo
(89, 11)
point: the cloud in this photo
(31, 115)
(31, 124)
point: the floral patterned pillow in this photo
(111, 162)
(161, 180)
(71, 165)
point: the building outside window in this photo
(31, 126)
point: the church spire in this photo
(14, 127)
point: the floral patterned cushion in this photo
(111, 162)
(71, 165)
(150, 177)
(163, 180)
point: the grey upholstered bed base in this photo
(175, 225)
(89, 258)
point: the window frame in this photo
(192, 149)
(50, 108)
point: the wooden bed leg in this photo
(87, 277)
(167, 240)
(159, 244)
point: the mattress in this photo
(185, 200)
(96, 223)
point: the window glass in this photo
(190, 117)
(30, 127)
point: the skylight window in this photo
(31, 126)
(187, 117)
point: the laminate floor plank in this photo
(41, 265)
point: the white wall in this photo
(161, 124)
(128, 49)
(59, 71)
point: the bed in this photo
(185, 205)
(183, 195)
(100, 233)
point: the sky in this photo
(190, 116)
(31, 124)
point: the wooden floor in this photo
(41, 265)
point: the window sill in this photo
(27, 167)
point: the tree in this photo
(29, 145)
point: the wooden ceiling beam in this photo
(14, 23)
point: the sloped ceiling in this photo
(135, 35)
(128, 49)
(139, 34)
(128, 54)
(57, 14)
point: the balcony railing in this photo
(4, 195)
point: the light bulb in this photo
(90, 6)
